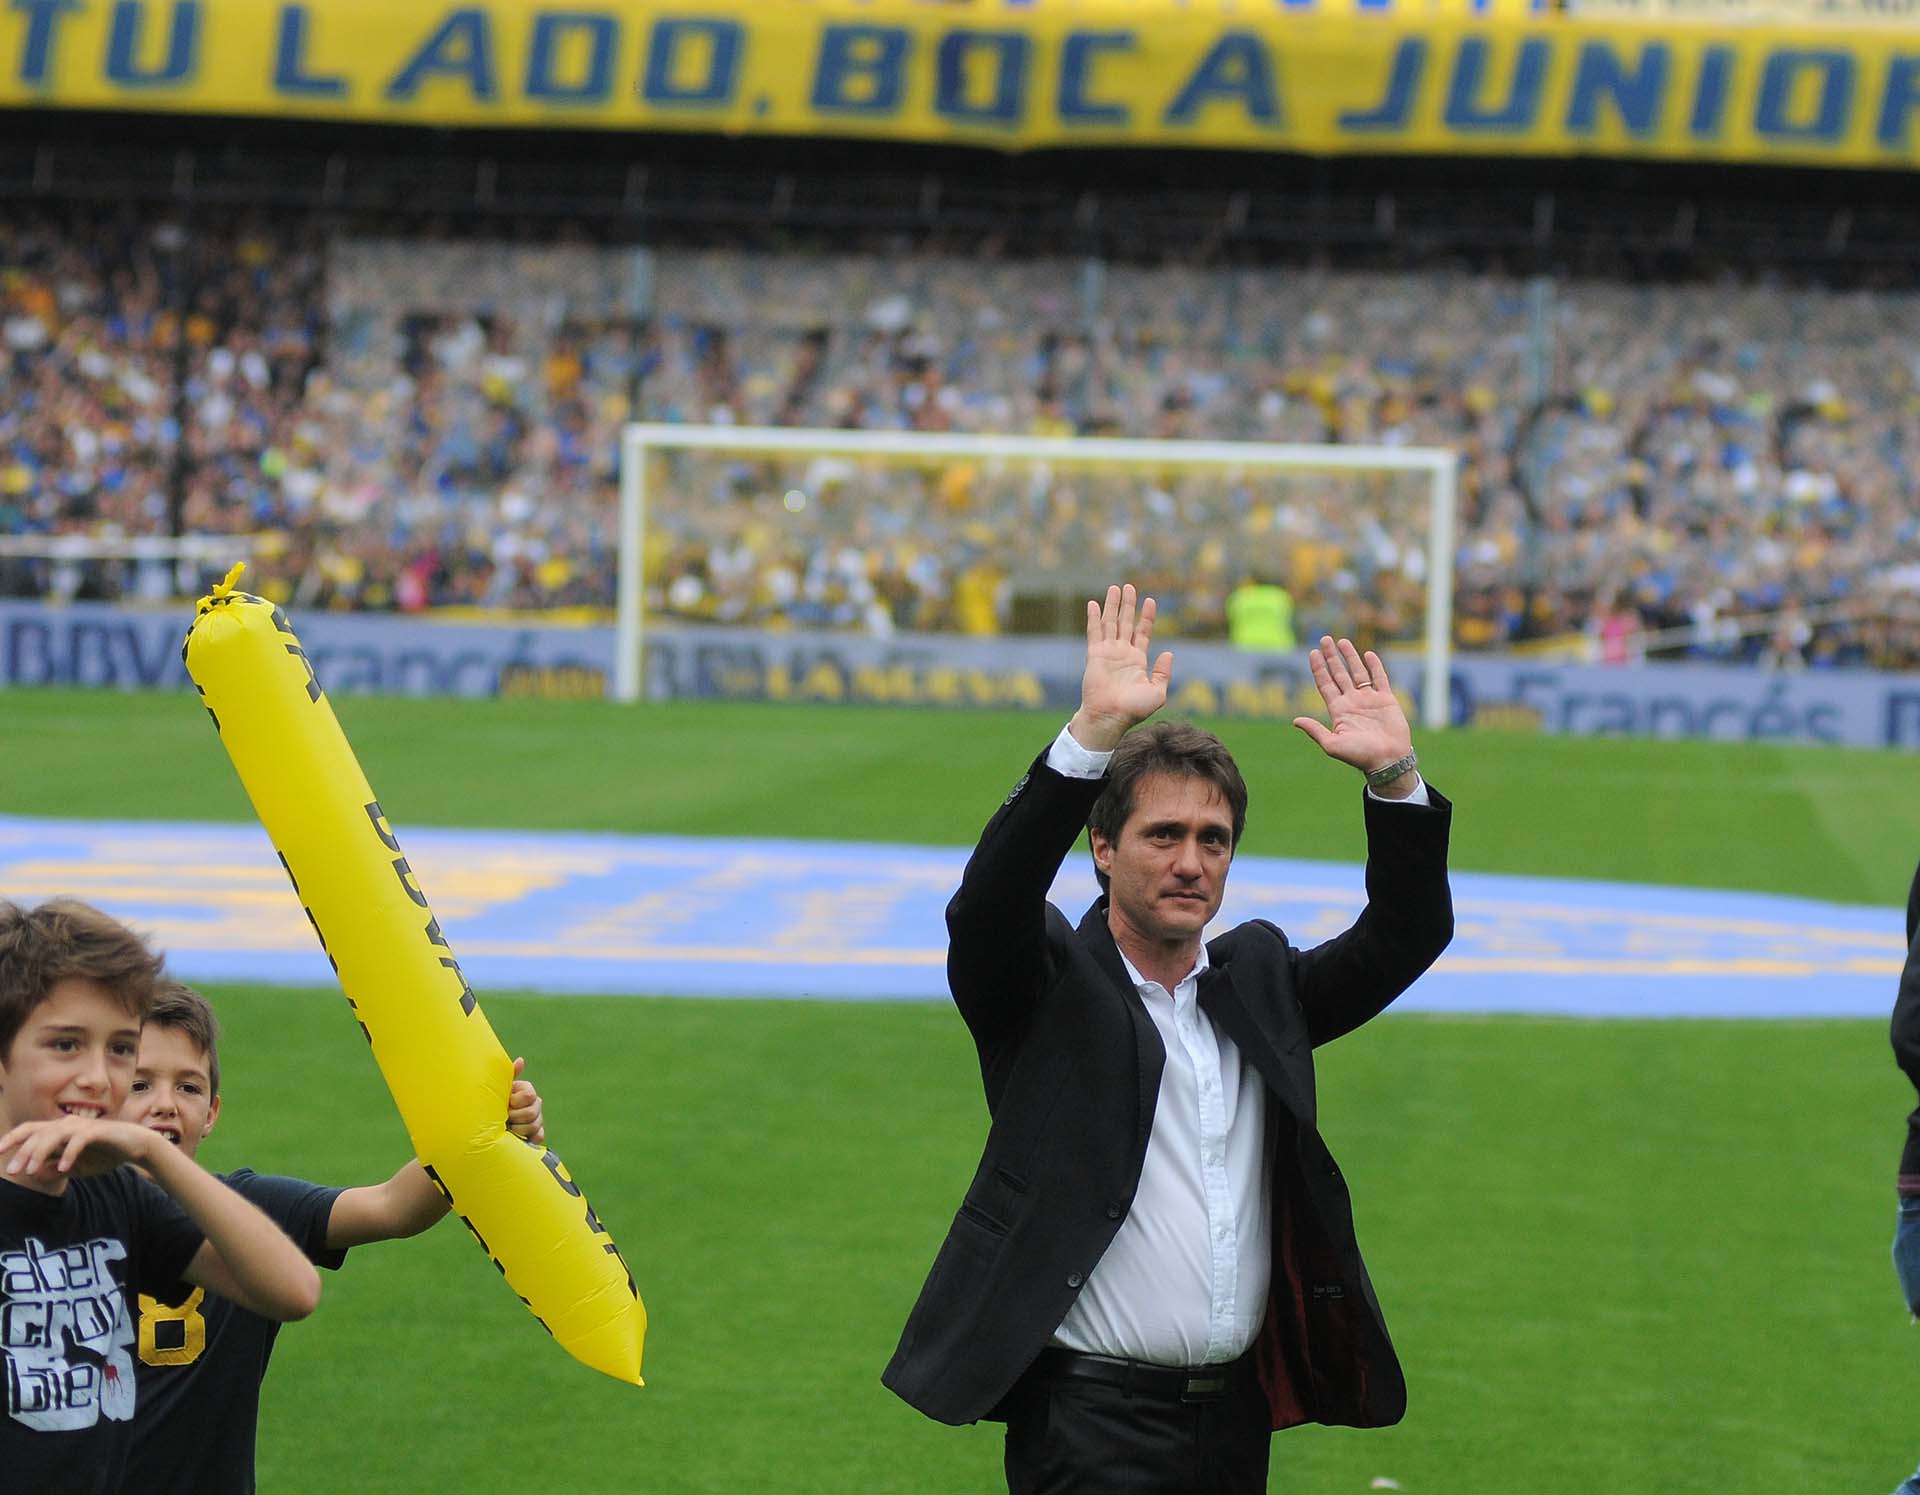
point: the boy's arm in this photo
(245, 1258)
(409, 1202)
(404, 1205)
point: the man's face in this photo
(172, 1093)
(1167, 870)
(73, 1056)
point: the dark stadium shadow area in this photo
(1582, 216)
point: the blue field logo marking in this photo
(678, 916)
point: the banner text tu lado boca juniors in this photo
(1315, 76)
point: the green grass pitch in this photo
(1638, 1257)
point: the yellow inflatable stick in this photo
(447, 1071)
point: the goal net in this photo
(880, 531)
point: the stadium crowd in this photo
(426, 423)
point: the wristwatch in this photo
(1381, 777)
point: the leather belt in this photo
(1174, 1383)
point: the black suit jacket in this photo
(1071, 1063)
(1906, 1037)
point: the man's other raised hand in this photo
(1118, 691)
(1369, 730)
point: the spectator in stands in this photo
(1260, 617)
(430, 423)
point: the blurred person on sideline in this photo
(1260, 617)
(1155, 1266)
(1905, 1033)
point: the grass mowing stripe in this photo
(1638, 1256)
(1823, 822)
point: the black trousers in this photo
(1079, 1437)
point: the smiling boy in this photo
(200, 1363)
(78, 1231)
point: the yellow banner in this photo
(1451, 77)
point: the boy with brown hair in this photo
(201, 1362)
(79, 1232)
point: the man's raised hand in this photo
(1369, 729)
(1118, 691)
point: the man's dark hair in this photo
(64, 939)
(179, 1007)
(1176, 748)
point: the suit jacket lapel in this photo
(1150, 1055)
(1220, 999)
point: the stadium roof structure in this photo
(1597, 217)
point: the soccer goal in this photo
(1342, 526)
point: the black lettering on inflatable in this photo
(467, 999)
(320, 937)
(593, 1224)
(477, 1236)
(536, 1317)
(381, 827)
(560, 1176)
(497, 1265)
(216, 722)
(633, 1288)
(313, 681)
(434, 937)
(317, 932)
(405, 873)
(438, 1183)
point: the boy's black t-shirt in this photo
(201, 1363)
(69, 1267)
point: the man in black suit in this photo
(1154, 1265)
(1905, 1032)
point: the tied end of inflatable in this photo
(614, 1349)
(222, 590)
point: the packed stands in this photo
(431, 420)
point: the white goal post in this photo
(638, 440)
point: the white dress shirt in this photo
(1185, 1280)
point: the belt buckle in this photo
(1203, 1389)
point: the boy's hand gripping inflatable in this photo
(448, 1074)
